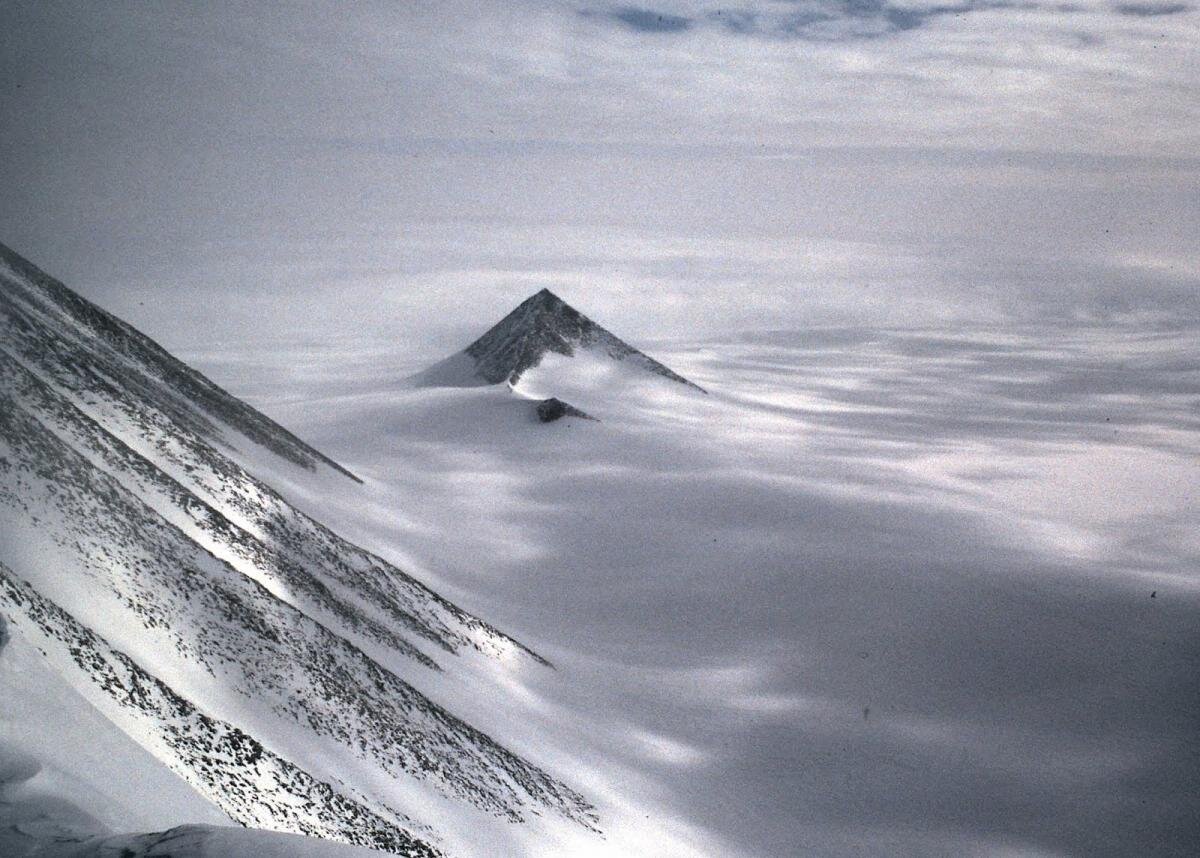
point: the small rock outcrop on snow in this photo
(549, 410)
(540, 325)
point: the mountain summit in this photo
(540, 325)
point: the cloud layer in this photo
(824, 159)
(976, 157)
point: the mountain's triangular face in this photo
(540, 325)
(279, 669)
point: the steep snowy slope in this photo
(48, 777)
(272, 664)
(541, 325)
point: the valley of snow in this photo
(879, 592)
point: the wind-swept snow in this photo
(880, 592)
(893, 592)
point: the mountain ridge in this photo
(139, 545)
(127, 340)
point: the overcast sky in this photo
(213, 170)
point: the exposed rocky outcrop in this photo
(549, 410)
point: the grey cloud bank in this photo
(147, 147)
(1151, 10)
(822, 20)
(651, 22)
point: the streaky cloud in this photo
(649, 21)
(1151, 10)
(812, 20)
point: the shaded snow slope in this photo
(85, 760)
(283, 672)
(47, 776)
(230, 766)
(203, 841)
(541, 325)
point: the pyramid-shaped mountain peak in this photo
(538, 309)
(541, 324)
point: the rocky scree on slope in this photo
(117, 394)
(224, 762)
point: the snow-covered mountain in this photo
(280, 671)
(540, 326)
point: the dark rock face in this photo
(552, 409)
(545, 323)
